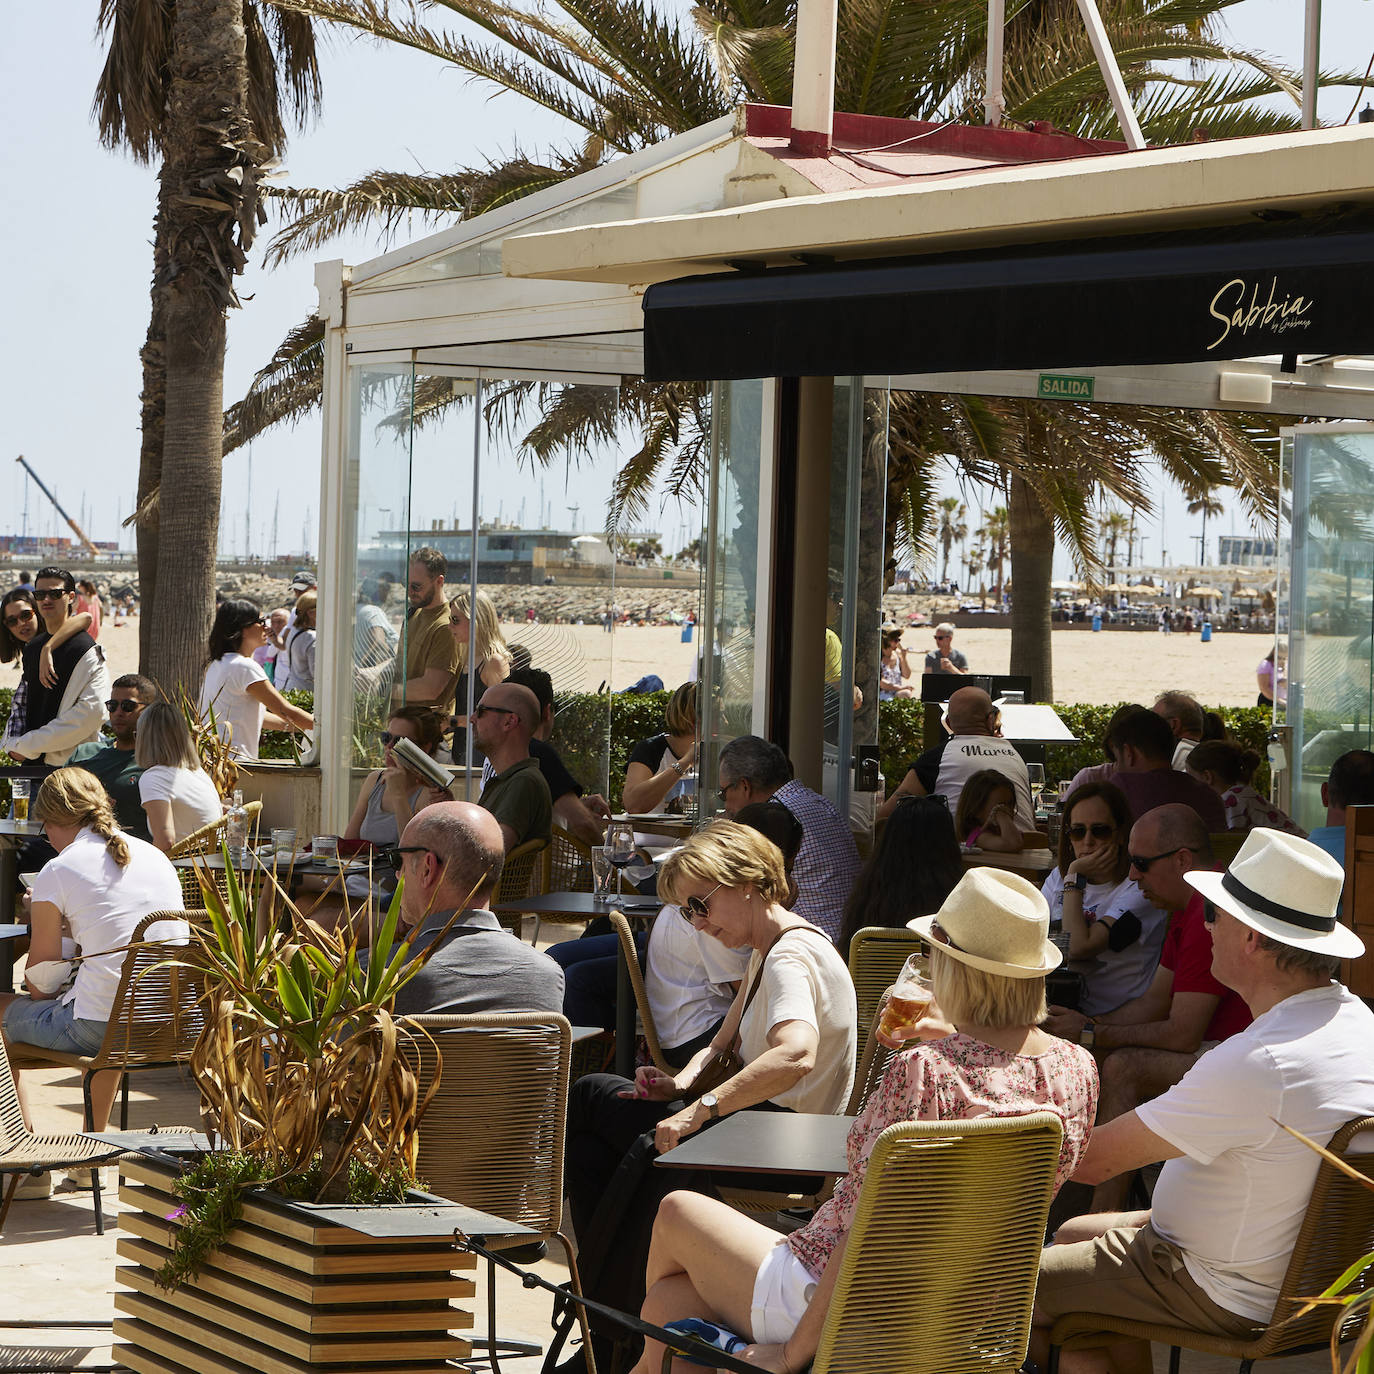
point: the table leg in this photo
(9, 880)
(624, 1017)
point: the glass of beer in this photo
(908, 1001)
(19, 791)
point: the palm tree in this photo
(624, 76)
(975, 567)
(997, 531)
(953, 526)
(198, 87)
(1204, 504)
(1113, 527)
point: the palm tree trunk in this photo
(153, 401)
(206, 201)
(1032, 563)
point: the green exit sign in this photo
(1055, 386)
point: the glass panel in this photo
(1331, 676)
(729, 601)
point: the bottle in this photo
(236, 827)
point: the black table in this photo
(8, 935)
(588, 905)
(767, 1143)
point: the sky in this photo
(75, 244)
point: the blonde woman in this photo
(101, 884)
(664, 766)
(492, 659)
(176, 792)
(296, 662)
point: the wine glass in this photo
(620, 849)
(1035, 772)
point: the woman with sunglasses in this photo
(790, 1035)
(492, 660)
(236, 690)
(1114, 934)
(19, 623)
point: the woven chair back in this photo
(13, 1132)
(492, 1138)
(939, 1273)
(157, 1015)
(568, 863)
(646, 1016)
(519, 870)
(1337, 1229)
(874, 1057)
(876, 956)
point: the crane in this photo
(42, 486)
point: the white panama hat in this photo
(995, 921)
(1284, 887)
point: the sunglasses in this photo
(479, 711)
(113, 706)
(699, 908)
(387, 737)
(1099, 830)
(51, 593)
(1209, 913)
(22, 618)
(395, 856)
(1142, 865)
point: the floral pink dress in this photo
(957, 1079)
(1246, 809)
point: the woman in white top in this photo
(101, 884)
(236, 688)
(177, 794)
(1114, 934)
(296, 663)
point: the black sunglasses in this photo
(50, 593)
(395, 856)
(1099, 830)
(387, 737)
(479, 711)
(126, 705)
(1143, 864)
(22, 618)
(699, 908)
(1209, 913)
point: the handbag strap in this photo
(758, 977)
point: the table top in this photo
(20, 830)
(300, 863)
(13, 932)
(767, 1142)
(580, 904)
(1029, 861)
(658, 823)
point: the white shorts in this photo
(783, 1289)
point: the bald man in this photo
(503, 723)
(974, 742)
(451, 858)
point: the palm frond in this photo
(287, 389)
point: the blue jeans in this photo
(589, 977)
(51, 1026)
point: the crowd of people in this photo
(1166, 1010)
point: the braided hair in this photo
(72, 796)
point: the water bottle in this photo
(236, 828)
(708, 1334)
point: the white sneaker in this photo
(34, 1186)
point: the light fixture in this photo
(1367, 115)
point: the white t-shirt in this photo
(1127, 966)
(238, 716)
(103, 903)
(1181, 751)
(194, 799)
(804, 979)
(1234, 1202)
(688, 976)
(965, 755)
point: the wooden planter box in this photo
(287, 1293)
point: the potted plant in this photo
(310, 1096)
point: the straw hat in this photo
(1286, 888)
(995, 921)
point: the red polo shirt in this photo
(1187, 952)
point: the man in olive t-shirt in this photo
(428, 655)
(503, 723)
(114, 763)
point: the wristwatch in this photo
(1087, 1037)
(1079, 882)
(712, 1105)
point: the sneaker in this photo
(35, 1186)
(77, 1181)
(526, 1254)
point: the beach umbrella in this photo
(1066, 586)
(1206, 593)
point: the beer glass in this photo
(909, 999)
(19, 791)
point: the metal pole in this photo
(1111, 74)
(1311, 62)
(472, 584)
(994, 104)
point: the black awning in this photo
(1233, 292)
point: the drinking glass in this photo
(1036, 773)
(19, 792)
(909, 999)
(601, 871)
(326, 850)
(620, 848)
(283, 842)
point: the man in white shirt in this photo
(1185, 720)
(1212, 1252)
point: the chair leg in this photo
(1245, 1366)
(124, 1102)
(1175, 1355)
(88, 1118)
(99, 1211)
(575, 1282)
(10, 1189)
(519, 1348)
(1053, 1363)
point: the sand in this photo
(1113, 666)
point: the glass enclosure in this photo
(1331, 603)
(444, 483)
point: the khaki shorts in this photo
(1132, 1274)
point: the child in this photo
(986, 818)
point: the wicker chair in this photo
(22, 1152)
(876, 956)
(492, 1138)
(646, 1015)
(154, 1022)
(567, 863)
(516, 877)
(939, 1273)
(1337, 1229)
(874, 1057)
(206, 840)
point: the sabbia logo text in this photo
(1276, 313)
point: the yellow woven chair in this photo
(154, 1023)
(874, 1057)
(646, 1016)
(492, 1138)
(939, 1273)
(567, 863)
(206, 840)
(876, 956)
(22, 1152)
(1337, 1229)
(517, 877)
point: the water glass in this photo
(284, 842)
(601, 871)
(325, 848)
